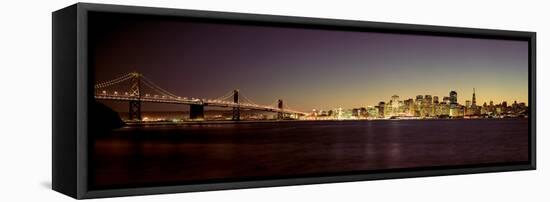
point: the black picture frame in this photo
(72, 91)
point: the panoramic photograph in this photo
(180, 101)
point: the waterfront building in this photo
(453, 105)
(381, 109)
(418, 105)
(427, 106)
(394, 105)
(474, 99)
(408, 107)
(372, 112)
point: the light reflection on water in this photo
(153, 154)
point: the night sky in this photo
(307, 68)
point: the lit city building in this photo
(425, 107)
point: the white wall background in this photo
(25, 99)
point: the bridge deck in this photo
(193, 101)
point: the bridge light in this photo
(125, 93)
(116, 93)
(104, 92)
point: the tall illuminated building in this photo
(474, 99)
(444, 106)
(427, 106)
(394, 105)
(381, 108)
(453, 99)
(469, 110)
(418, 105)
(436, 109)
(409, 107)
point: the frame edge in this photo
(81, 74)
(64, 145)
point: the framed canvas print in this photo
(154, 100)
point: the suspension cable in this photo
(227, 95)
(155, 86)
(114, 81)
(157, 90)
(247, 99)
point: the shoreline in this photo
(160, 123)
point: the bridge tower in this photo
(236, 110)
(280, 114)
(134, 113)
(196, 111)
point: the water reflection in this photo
(137, 156)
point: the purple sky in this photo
(308, 68)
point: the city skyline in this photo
(308, 68)
(464, 100)
(438, 99)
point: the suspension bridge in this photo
(136, 89)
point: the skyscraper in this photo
(427, 106)
(381, 108)
(418, 104)
(453, 98)
(409, 107)
(474, 99)
(394, 105)
(453, 103)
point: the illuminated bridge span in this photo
(136, 89)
